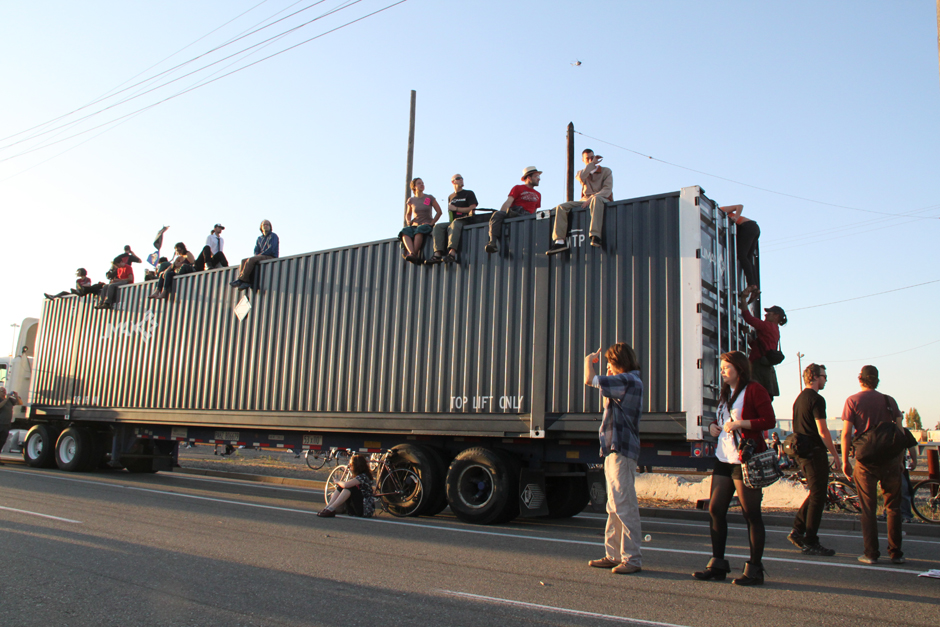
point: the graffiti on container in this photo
(485, 403)
(145, 328)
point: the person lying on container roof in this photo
(182, 263)
(597, 188)
(121, 273)
(419, 220)
(81, 283)
(461, 206)
(522, 199)
(265, 248)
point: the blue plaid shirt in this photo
(620, 427)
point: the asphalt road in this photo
(117, 549)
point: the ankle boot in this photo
(716, 569)
(753, 575)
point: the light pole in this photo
(13, 345)
(799, 361)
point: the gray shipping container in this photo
(356, 339)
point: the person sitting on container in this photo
(522, 199)
(267, 247)
(212, 255)
(419, 220)
(121, 273)
(460, 206)
(746, 236)
(356, 493)
(81, 283)
(597, 184)
(182, 263)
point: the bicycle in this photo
(840, 494)
(318, 458)
(400, 492)
(925, 500)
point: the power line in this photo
(835, 302)
(869, 359)
(763, 189)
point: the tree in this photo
(912, 419)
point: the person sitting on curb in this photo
(419, 220)
(356, 493)
(522, 199)
(461, 206)
(267, 247)
(597, 188)
(212, 256)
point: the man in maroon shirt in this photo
(864, 411)
(522, 199)
(767, 336)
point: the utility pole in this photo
(569, 179)
(800, 356)
(938, 31)
(411, 149)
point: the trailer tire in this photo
(428, 464)
(566, 496)
(483, 486)
(39, 446)
(74, 450)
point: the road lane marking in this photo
(551, 608)
(23, 511)
(516, 536)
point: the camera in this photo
(746, 450)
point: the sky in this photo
(821, 118)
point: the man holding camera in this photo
(6, 413)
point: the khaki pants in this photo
(622, 535)
(595, 206)
(248, 266)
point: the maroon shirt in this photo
(868, 409)
(768, 334)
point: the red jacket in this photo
(759, 410)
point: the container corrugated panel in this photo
(357, 338)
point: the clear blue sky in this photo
(836, 102)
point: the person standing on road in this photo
(809, 423)
(6, 413)
(744, 413)
(622, 389)
(864, 411)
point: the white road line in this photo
(23, 511)
(515, 536)
(550, 608)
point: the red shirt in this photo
(526, 197)
(127, 272)
(768, 334)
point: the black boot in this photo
(716, 569)
(753, 575)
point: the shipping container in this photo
(355, 346)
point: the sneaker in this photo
(595, 241)
(243, 285)
(796, 538)
(604, 562)
(235, 283)
(625, 569)
(818, 549)
(898, 559)
(491, 246)
(556, 248)
(864, 559)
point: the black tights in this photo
(723, 488)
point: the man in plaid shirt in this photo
(622, 389)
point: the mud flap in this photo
(532, 501)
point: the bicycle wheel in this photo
(843, 496)
(402, 492)
(340, 473)
(316, 459)
(925, 500)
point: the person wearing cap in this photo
(122, 273)
(267, 247)
(212, 255)
(460, 207)
(766, 338)
(522, 199)
(597, 188)
(864, 411)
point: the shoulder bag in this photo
(759, 469)
(883, 442)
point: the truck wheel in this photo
(39, 447)
(566, 496)
(74, 449)
(429, 466)
(483, 487)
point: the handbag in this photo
(883, 442)
(772, 357)
(758, 469)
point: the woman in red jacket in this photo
(744, 412)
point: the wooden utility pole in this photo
(569, 190)
(799, 361)
(411, 149)
(938, 32)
